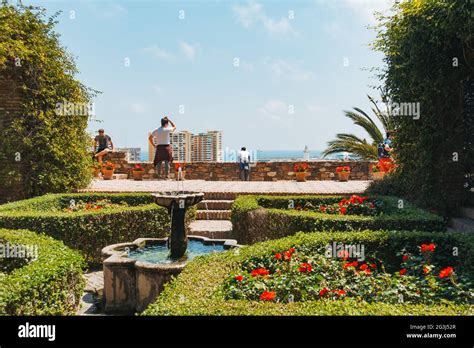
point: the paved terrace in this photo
(275, 187)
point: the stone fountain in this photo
(135, 273)
(177, 204)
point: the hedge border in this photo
(52, 284)
(198, 289)
(91, 231)
(257, 218)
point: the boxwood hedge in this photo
(52, 284)
(259, 218)
(89, 231)
(198, 289)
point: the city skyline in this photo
(270, 75)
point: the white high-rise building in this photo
(132, 153)
(182, 146)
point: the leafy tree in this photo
(52, 146)
(351, 143)
(428, 47)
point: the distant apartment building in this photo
(207, 147)
(132, 153)
(188, 147)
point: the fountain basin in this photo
(131, 281)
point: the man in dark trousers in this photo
(160, 138)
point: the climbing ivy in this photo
(428, 47)
(45, 151)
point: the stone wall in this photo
(10, 108)
(260, 171)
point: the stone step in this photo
(462, 225)
(213, 215)
(467, 212)
(218, 229)
(223, 204)
(220, 195)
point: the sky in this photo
(271, 75)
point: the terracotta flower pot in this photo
(343, 176)
(138, 175)
(301, 176)
(107, 174)
(378, 175)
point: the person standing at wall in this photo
(244, 164)
(160, 138)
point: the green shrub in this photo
(52, 284)
(89, 231)
(199, 289)
(259, 218)
(434, 149)
(53, 147)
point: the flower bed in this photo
(52, 284)
(260, 218)
(306, 274)
(89, 221)
(203, 288)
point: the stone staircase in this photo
(213, 216)
(465, 222)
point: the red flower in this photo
(291, 250)
(426, 270)
(268, 296)
(278, 256)
(373, 265)
(340, 292)
(344, 254)
(323, 292)
(427, 247)
(446, 272)
(305, 267)
(289, 253)
(405, 258)
(350, 264)
(402, 271)
(259, 272)
(343, 210)
(239, 278)
(364, 267)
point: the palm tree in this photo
(351, 143)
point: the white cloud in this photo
(137, 108)
(313, 108)
(276, 111)
(189, 50)
(158, 53)
(283, 69)
(107, 10)
(253, 13)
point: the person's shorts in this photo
(244, 166)
(100, 150)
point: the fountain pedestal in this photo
(177, 204)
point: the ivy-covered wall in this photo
(428, 48)
(42, 150)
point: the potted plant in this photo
(137, 172)
(301, 171)
(377, 172)
(108, 170)
(179, 171)
(96, 169)
(343, 173)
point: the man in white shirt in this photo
(244, 163)
(160, 138)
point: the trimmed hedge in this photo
(260, 218)
(198, 289)
(50, 285)
(89, 231)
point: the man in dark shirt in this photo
(102, 145)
